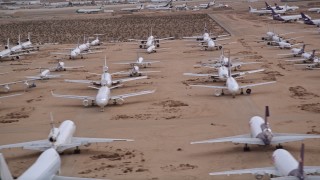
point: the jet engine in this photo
(258, 176)
(54, 133)
(118, 101)
(85, 102)
(6, 47)
(17, 57)
(238, 67)
(6, 88)
(140, 46)
(158, 45)
(27, 84)
(248, 91)
(217, 92)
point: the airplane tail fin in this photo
(267, 5)
(19, 42)
(205, 29)
(52, 123)
(306, 19)
(29, 38)
(168, 4)
(266, 115)
(303, 47)
(273, 13)
(301, 162)
(8, 44)
(105, 67)
(4, 170)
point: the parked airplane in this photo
(205, 36)
(317, 10)
(13, 53)
(182, 7)
(140, 62)
(12, 95)
(261, 134)
(306, 57)
(47, 166)
(285, 166)
(264, 11)
(159, 6)
(295, 51)
(61, 139)
(290, 18)
(96, 42)
(106, 78)
(90, 11)
(103, 97)
(45, 74)
(206, 6)
(61, 67)
(223, 74)
(135, 71)
(151, 41)
(308, 20)
(277, 7)
(26, 83)
(134, 9)
(211, 44)
(232, 86)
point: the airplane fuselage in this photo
(103, 97)
(260, 130)
(47, 165)
(151, 49)
(232, 86)
(285, 163)
(44, 74)
(66, 131)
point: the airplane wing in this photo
(146, 72)
(137, 40)
(57, 53)
(54, 76)
(201, 75)
(40, 145)
(213, 87)
(73, 96)
(129, 63)
(262, 171)
(33, 77)
(128, 79)
(90, 52)
(246, 72)
(294, 60)
(123, 96)
(85, 141)
(15, 82)
(165, 38)
(258, 84)
(193, 37)
(150, 62)
(81, 81)
(243, 139)
(295, 178)
(74, 67)
(10, 96)
(279, 138)
(56, 177)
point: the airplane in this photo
(310, 21)
(26, 83)
(61, 67)
(140, 62)
(159, 6)
(264, 11)
(182, 7)
(134, 9)
(317, 10)
(232, 86)
(90, 11)
(61, 139)
(286, 167)
(306, 57)
(103, 97)
(47, 166)
(8, 97)
(45, 74)
(295, 51)
(223, 74)
(96, 42)
(13, 53)
(277, 7)
(135, 71)
(290, 18)
(150, 42)
(261, 134)
(206, 36)
(106, 78)
(211, 44)
(206, 6)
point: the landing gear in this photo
(222, 93)
(246, 148)
(241, 91)
(102, 109)
(77, 150)
(279, 146)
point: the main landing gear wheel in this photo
(279, 146)
(246, 148)
(77, 150)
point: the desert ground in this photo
(164, 123)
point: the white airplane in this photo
(182, 7)
(106, 78)
(277, 7)
(140, 62)
(306, 56)
(26, 83)
(206, 36)
(90, 11)
(223, 74)
(80, 50)
(61, 67)
(27, 45)
(46, 167)
(310, 21)
(211, 44)
(61, 139)
(96, 42)
(264, 11)
(260, 134)
(232, 86)
(206, 6)
(295, 51)
(150, 42)
(8, 97)
(134, 9)
(103, 97)
(160, 6)
(13, 53)
(290, 18)
(135, 71)
(317, 10)
(45, 74)
(286, 167)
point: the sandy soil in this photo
(163, 124)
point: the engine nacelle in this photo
(158, 45)
(54, 133)
(140, 46)
(118, 101)
(217, 92)
(6, 88)
(85, 102)
(258, 176)
(6, 47)
(17, 57)
(238, 67)
(248, 91)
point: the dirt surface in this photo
(164, 123)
